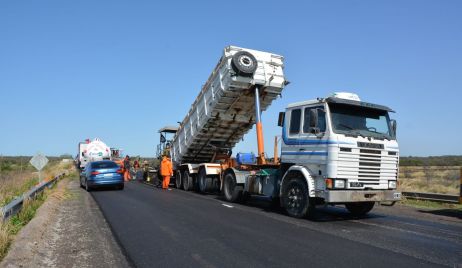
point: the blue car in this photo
(101, 174)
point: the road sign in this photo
(39, 161)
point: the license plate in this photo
(107, 175)
(397, 195)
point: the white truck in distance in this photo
(335, 150)
(90, 151)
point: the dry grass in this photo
(5, 240)
(14, 183)
(430, 179)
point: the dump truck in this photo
(334, 150)
(95, 150)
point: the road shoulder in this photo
(68, 230)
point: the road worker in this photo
(166, 171)
(127, 175)
(146, 171)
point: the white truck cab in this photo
(345, 148)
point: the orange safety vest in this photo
(166, 167)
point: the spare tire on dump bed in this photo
(244, 63)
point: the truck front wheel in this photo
(359, 208)
(231, 190)
(295, 199)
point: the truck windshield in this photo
(360, 121)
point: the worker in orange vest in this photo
(126, 162)
(166, 171)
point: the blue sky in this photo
(120, 70)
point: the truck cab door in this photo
(313, 142)
(291, 135)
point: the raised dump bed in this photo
(224, 110)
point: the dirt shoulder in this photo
(68, 231)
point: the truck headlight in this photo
(391, 184)
(339, 184)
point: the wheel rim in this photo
(295, 199)
(245, 61)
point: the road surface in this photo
(175, 228)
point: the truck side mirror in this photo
(281, 119)
(393, 127)
(313, 118)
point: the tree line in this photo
(445, 160)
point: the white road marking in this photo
(228, 206)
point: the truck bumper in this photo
(362, 196)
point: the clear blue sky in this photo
(120, 70)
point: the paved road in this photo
(182, 229)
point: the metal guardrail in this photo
(15, 206)
(444, 198)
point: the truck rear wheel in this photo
(295, 199)
(178, 180)
(187, 181)
(231, 190)
(205, 183)
(359, 208)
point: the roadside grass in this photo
(425, 204)
(430, 179)
(12, 227)
(14, 183)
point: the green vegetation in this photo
(15, 188)
(446, 160)
(430, 204)
(12, 227)
(17, 176)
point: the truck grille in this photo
(371, 168)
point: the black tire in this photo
(231, 190)
(295, 199)
(204, 182)
(178, 182)
(87, 188)
(359, 208)
(244, 63)
(187, 181)
(121, 187)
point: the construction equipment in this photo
(335, 150)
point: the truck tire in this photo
(205, 183)
(295, 199)
(359, 208)
(232, 191)
(244, 63)
(178, 182)
(187, 181)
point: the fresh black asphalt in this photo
(159, 228)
